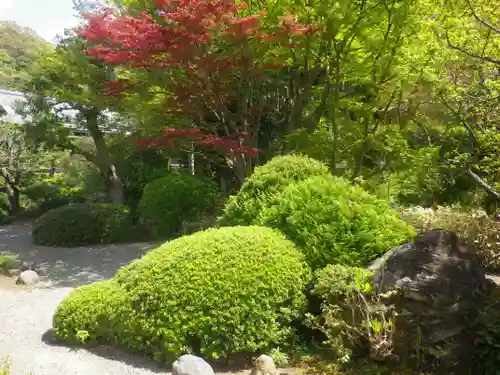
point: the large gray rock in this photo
(191, 365)
(264, 365)
(436, 286)
(28, 277)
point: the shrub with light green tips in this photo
(259, 190)
(216, 292)
(333, 221)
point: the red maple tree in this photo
(221, 68)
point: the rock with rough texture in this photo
(28, 277)
(25, 266)
(264, 365)
(191, 365)
(436, 286)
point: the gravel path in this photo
(26, 314)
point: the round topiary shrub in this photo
(217, 292)
(259, 190)
(82, 224)
(93, 313)
(170, 202)
(332, 221)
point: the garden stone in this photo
(264, 365)
(28, 277)
(25, 266)
(191, 365)
(437, 287)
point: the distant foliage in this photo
(82, 224)
(52, 192)
(217, 292)
(19, 49)
(478, 229)
(171, 202)
(332, 221)
(259, 190)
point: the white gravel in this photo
(26, 314)
(25, 321)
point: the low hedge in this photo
(175, 201)
(259, 190)
(335, 222)
(217, 292)
(83, 224)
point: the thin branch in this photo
(481, 20)
(483, 184)
(470, 54)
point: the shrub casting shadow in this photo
(108, 352)
(69, 267)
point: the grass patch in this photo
(6, 263)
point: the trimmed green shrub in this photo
(93, 313)
(82, 224)
(216, 292)
(259, 190)
(332, 221)
(172, 201)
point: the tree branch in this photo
(481, 20)
(470, 54)
(483, 184)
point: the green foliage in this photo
(93, 313)
(169, 202)
(137, 167)
(53, 192)
(216, 292)
(82, 224)
(4, 209)
(487, 337)
(341, 289)
(4, 366)
(19, 49)
(475, 227)
(259, 190)
(353, 320)
(6, 263)
(332, 221)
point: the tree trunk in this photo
(12, 190)
(14, 201)
(103, 159)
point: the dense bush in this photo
(345, 294)
(82, 224)
(475, 227)
(52, 192)
(332, 221)
(217, 292)
(6, 263)
(4, 209)
(487, 336)
(170, 202)
(259, 190)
